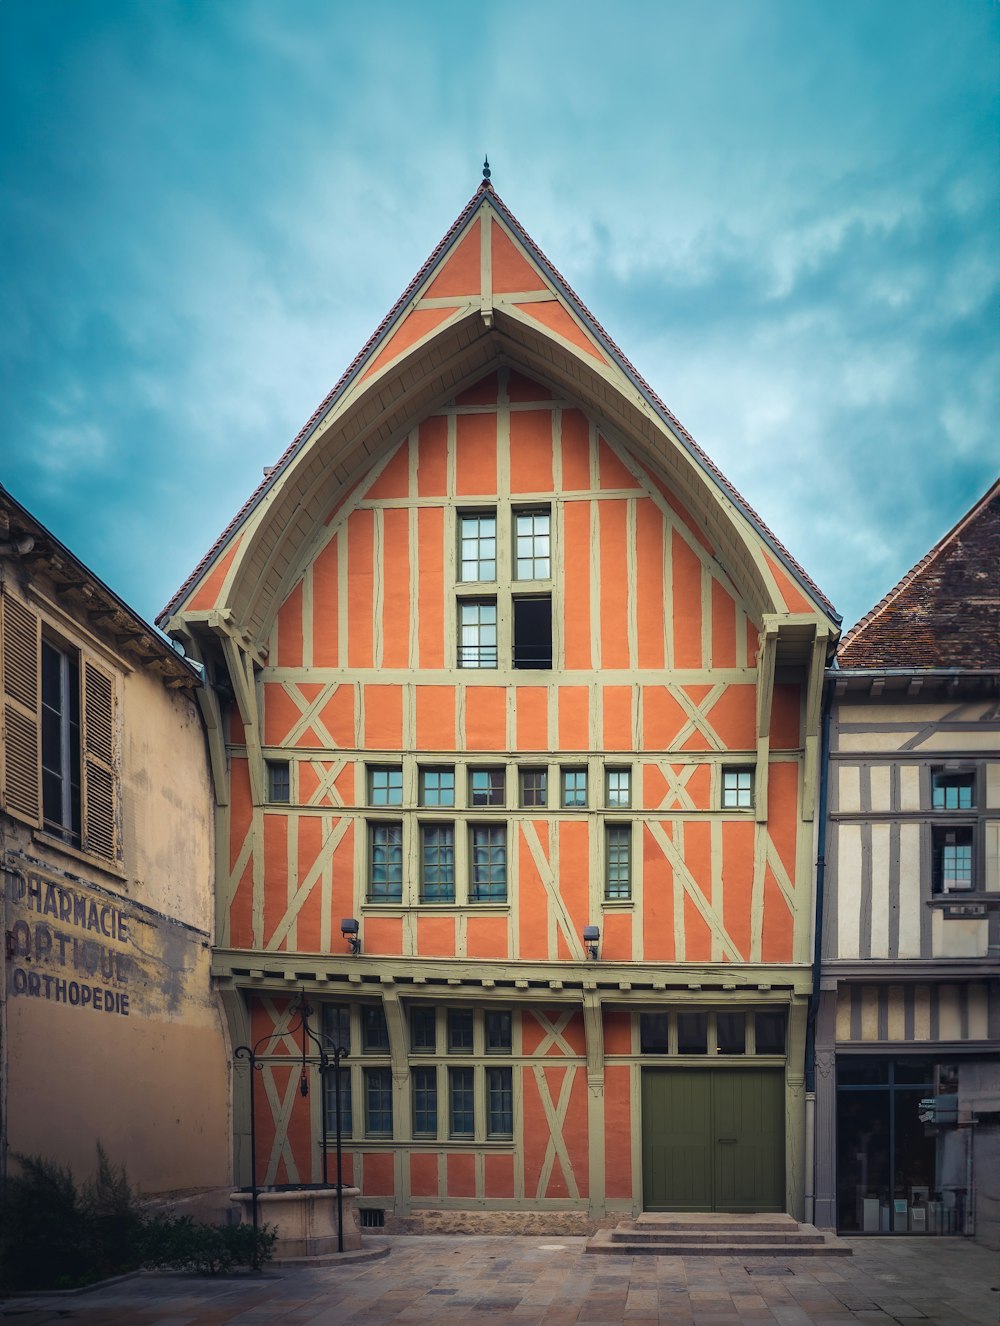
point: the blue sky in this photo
(784, 211)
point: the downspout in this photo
(813, 1013)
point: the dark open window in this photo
(533, 632)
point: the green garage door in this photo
(713, 1139)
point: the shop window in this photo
(385, 785)
(477, 633)
(618, 881)
(487, 787)
(488, 864)
(533, 631)
(532, 545)
(378, 1102)
(461, 1102)
(618, 787)
(374, 1031)
(424, 1088)
(437, 786)
(437, 863)
(477, 546)
(497, 1032)
(460, 1029)
(952, 867)
(499, 1102)
(534, 787)
(423, 1029)
(385, 861)
(574, 787)
(737, 789)
(953, 791)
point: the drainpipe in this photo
(810, 1083)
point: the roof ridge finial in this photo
(486, 170)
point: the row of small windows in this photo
(487, 862)
(760, 1032)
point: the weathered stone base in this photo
(305, 1219)
(495, 1222)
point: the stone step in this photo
(604, 1242)
(716, 1220)
(799, 1235)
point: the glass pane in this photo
(375, 1033)
(692, 1033)
(914, 1072)
(460, 1028)
(337, 1025)
(653, 1033)
(424, 1102)
(862, 1072)
(423, 1030)
(462, 1115)
(498, 1031)
(914, 1161)
(731, 1033)
(500, 1100)
(863, 1162)
(769, 1031)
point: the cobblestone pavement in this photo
(553, 1282)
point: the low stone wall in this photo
(495, 1222)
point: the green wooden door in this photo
(713, 1139)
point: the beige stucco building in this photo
(109, 1030)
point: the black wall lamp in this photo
(591, 939)
(349, 929)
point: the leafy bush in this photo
(54, 1235)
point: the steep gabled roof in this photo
(945, 612)
(428, 307)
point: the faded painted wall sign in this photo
(70, 946)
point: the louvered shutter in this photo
(21, 726)
(100, 783)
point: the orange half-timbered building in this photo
(506, 671)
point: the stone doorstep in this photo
(716, 1220)
(604, 1241)
(804, 1234)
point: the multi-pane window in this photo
(952, 859)
(425, 1115)
(952, 791)
(437, 863)
(532, 546)
(385, 862)
(497, 1031)
(722, 1032)
(737, 789)
(499, 1102)
(60, 714)
(385, 785)
(477, 546)
(477, 633)
(618, 790)
(619, 854)
(337, 1026)
(437, 787)
(488, 863)
(574, 787)
(534, 787)
(487, 787)
(374, 1030)
(731, 1033)
(378, 1102)
(460, 1029)
(279, 782)
(346, 1112)
(461, 1103)
(423, 1029)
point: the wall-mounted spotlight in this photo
(349, 929)
(591, 939)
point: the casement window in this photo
(488, 863)
(461, 1102)
(378, 1102)
(423, 1029)
(534, 787)
(618, 787)
(425, 1105)
(460, 1029)
(279, 780)
(618, 878)
(499, 1102)
(437, 786)
(385, 861)
(374, 1029)
(477, 546)
(574, 787)
(437, 863)
(337, 1033)
(533, 631)
(532, 545)
(737, 789)
(60, 747)
(953, 865)
(953, 791)
(477, 633)
(385, 785)
(497, 1032)
(487, 787)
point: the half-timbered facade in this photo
(509, 675)
(910, 1003)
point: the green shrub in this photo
(182, 1244)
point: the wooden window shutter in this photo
(100, 834)
(22, 756)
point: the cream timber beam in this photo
(594, 1030)
(211, 713)
(814, 700)
(765, 695)
(240, 665)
